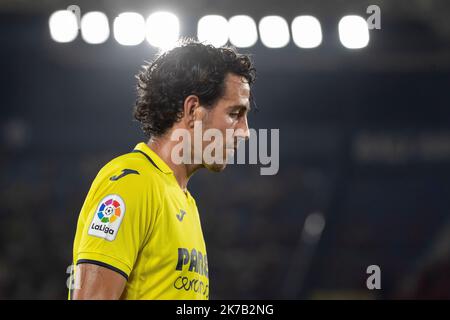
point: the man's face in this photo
(228, 114)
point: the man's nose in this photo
(243, 132)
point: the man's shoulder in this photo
(131, 168)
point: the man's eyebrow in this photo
(241, 106)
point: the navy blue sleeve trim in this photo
(102, 264)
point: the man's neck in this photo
(163, 146)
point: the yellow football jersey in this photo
(137, 221)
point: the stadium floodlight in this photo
(243, 32)
(94, 27)
(63, 26)
(274, 31)
(163, 30)
(306, 32)
(353, 32)
(213, 29)
(129, 28)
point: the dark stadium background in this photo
(364, 141)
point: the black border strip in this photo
(149, 159)
(102, 264)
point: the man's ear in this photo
(193, 111)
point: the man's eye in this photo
(234, 114)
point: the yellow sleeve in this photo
(115, 222)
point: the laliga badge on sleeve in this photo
(107, 217)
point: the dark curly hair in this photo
(192, 68)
